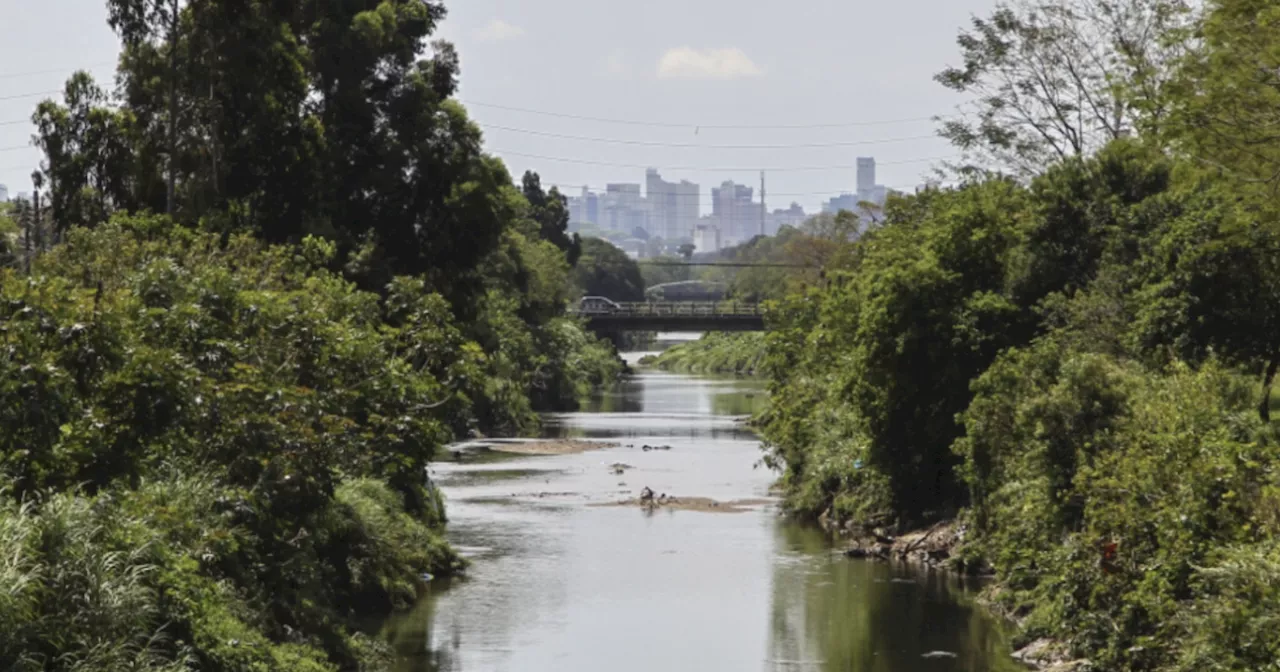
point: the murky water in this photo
(560, 585)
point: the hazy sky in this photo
(691, 64)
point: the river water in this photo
(560, 583)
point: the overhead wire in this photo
(52, 71)
(694, 125)
(755, 169)
(647, 143)
(30, 95)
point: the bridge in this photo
(675, 316)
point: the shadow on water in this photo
(831, 613)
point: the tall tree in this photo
(1052, 79)
(551, 211)
(143, 21)
(1226, 98)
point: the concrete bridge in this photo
(674, 316)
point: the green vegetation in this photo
(605, 270)
(217, 420)
(1078, 366)
(736, 353)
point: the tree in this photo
(1227, 93)
(1212, 286)
(139, 22)
(605, 270)
(1059, 78)
(87, 156)
(551, 211)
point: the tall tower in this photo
(866, 176)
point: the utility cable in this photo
(646, 143)
(754, 169)
(633, 122)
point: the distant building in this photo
(842, 202)
(793, 217)
(737, 217)
(673, 207)
(866, 175)
(4, 194)
(706, 237)
(592, 207)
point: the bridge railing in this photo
(677, 309)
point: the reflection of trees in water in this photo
(409, 634)
(738, 402)
(523, 579)
(839, 614)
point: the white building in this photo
(706, 236)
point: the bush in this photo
(715, 352)
(216, 452)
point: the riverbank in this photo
(715, 352)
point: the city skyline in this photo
(731, 215)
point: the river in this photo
(560, 583)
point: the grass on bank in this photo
(715, 352)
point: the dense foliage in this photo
(715, 352)
(218, 421)
(605, 270)
(1073, 367)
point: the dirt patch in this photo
(550, 447)
(703, 504)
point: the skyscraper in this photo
(673, 207)
(4, 193)
(736, 216)
(866, 177)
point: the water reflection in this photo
(830, 613)
(559, 585)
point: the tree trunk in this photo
(1268, 377)
(173, 105)
(36, 224)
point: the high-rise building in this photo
(866, 177)
(4, 193)
(623, 209)
(842, 202)
(735, 215)
(793, 217)
(673, 207)
(593, 208)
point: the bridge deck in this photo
(677, 316)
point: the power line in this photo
(14, 75)
(30, 95)
(590, 162)
(646, 143)
(602, 191)
(15, 148)
(660, 124)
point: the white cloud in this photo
(498, 30)
(690, 63)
